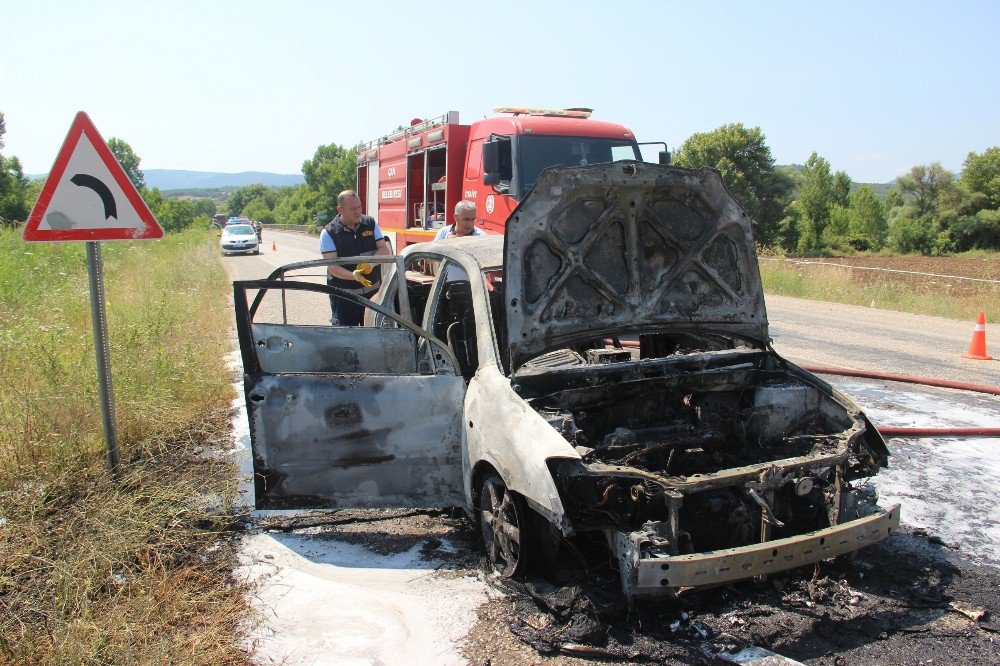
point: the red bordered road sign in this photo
(87, 196)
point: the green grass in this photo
(840, 285)
(94, 570)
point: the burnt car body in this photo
(503, 381)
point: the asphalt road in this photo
(805, 332)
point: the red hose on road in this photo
(927, 381)
(889, 431)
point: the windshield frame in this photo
(518, 187)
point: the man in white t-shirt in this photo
(465, 223)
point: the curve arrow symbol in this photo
(107, 198)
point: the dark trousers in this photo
(344, 312)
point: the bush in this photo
(979, 231)
(912, 234)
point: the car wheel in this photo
(503, 521)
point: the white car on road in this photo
(239, 238)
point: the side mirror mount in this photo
(491, 158)
(664, 157)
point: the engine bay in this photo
(701, 451)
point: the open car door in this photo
(349, 416)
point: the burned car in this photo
(603, 369)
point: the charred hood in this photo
(628, 247)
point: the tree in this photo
(258, 210)
(912, 234)
(868, 226)
(747, 168)
(129, 161)
(155, 200)
(816, 200)
(894, 199)
(837, 230)
(929, 187)
(332, 170)
(790, 227)
(296, 205)
(979, 231)
(981, 175)
(14, 186)
(177, 215)
(205, 207)
(841, 189)
(240, 197)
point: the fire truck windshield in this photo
(538, 152)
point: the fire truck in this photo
(411, 179)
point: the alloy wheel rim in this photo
(500, 527)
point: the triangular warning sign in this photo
(87, 196)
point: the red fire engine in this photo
(410, 180)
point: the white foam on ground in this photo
(946, 485)
(321, 601)
(328, 602)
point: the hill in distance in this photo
(175, 179)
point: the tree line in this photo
(803, 210)
(812, 210)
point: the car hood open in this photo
(628, 247)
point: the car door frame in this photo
(407, 456)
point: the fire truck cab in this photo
(411, 179)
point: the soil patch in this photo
(984, 267)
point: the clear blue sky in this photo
(875, 87)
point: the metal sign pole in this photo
(95, 271)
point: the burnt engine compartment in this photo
(702, 451)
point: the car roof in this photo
(485, 251)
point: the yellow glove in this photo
(360, 272)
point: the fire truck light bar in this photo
(562, 113)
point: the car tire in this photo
(257, 251)
(504, 528)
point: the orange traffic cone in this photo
(977, 349)
(274, 247)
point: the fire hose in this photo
(894, 431)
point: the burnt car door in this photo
(348, 416)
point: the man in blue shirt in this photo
(351, 234)
(465, 223)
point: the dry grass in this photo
(890, 291)
(94, 571)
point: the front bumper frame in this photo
(666, 575)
